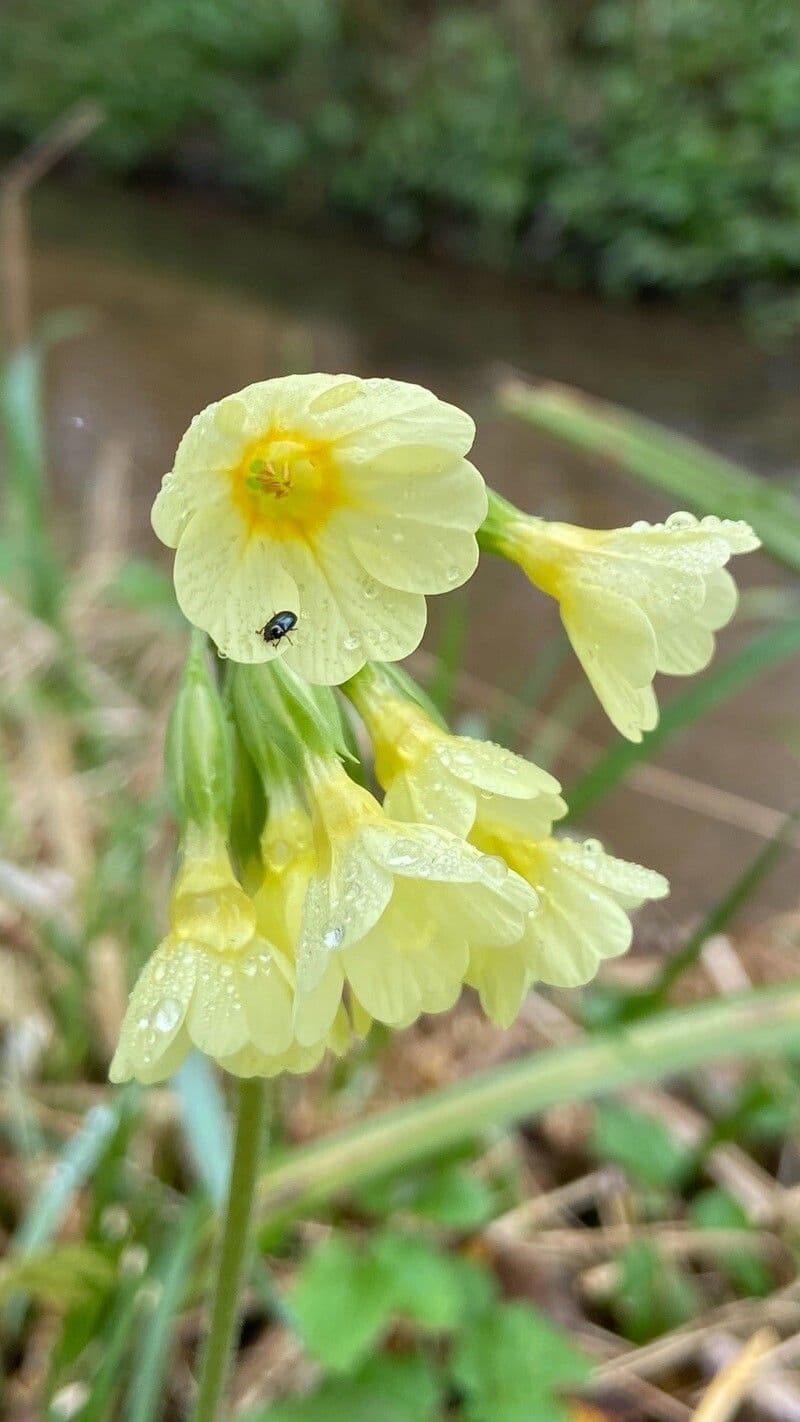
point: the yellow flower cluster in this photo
(341, 503)
(506, 807)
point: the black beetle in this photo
(278, 627)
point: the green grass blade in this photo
(118, 1335)
(716, 686)
(51, 1202)
(72, 1170)
(699, 479)
(205, 1124)
(762, 1021)
(151, 1358)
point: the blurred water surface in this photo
(188, 301)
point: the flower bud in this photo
(282, 719)
(198, 750)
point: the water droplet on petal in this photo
(333, 937)
(681, 519)
(167, 1014)
(494, 868)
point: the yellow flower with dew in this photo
(633, 601)
(218, 983)
(343, 500)
(507, 807)
(584, 899)
(437, 778)
(401, 905)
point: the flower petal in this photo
(266, 999)
(402, 484)
(155, 1016)
(407, 964)
(427, 794)
(230, 582)
(386, 415)
(216, 1020)
(616, 646)
(413, 556)
(315, 1011)
(502, 978)
(346, 618)
(340, 907)
(493, 768)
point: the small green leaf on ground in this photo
(433, 1288)
(511, 1364)
(342, 1302)
(652, 1296)
(715, 1209)
(641, 1145)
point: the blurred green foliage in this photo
(638, 147)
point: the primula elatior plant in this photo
(304, 908)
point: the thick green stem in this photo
(233, 1250)
(758, 1022)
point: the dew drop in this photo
(333, 937)
(143, 1022)
(167, 1014)
(681, 519)
(350, 643)
(494, 868)
(453, 574)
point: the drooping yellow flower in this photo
(584, 898)
(437, 778)
(633, 601)
(342, 500)
(400, 904)
(218, 983)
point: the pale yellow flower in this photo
(219, 983)
(452, 781)
(634, 601)
(342, 500)
(584, 898)
(400, 904)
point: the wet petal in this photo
(155, 1016)
(230, 582)
(616, 646)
